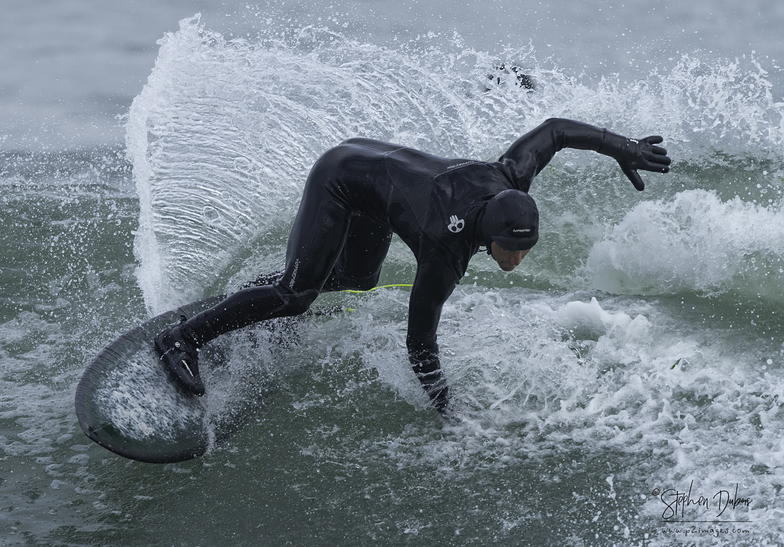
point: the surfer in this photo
(363, 191)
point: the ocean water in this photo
(624, 386)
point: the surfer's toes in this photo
(180, 359)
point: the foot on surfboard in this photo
(179, 355)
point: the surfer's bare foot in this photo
(180, 358)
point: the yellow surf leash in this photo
(390, 286)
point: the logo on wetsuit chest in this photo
(455, 225)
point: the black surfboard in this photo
(127, 403)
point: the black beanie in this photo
(511, 220)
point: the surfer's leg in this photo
(359, 265)
(314, 245)
(367, 242)
(308, 267)
(360, 261)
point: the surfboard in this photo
(127, 403)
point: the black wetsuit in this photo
(361, 192)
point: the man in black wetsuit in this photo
(362, 191)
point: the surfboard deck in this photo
(127, 403)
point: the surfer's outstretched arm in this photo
(533, 151)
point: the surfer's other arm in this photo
(432, 287)
(533, 151)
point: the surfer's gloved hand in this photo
(179, 354)
(439, 396)
(633, 154)
(435, 386)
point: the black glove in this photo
(436, 388)
(632, 154)
(434, 385)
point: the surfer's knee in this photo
(295, 303)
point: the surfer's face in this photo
(507, 260)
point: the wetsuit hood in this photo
(511, 220)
